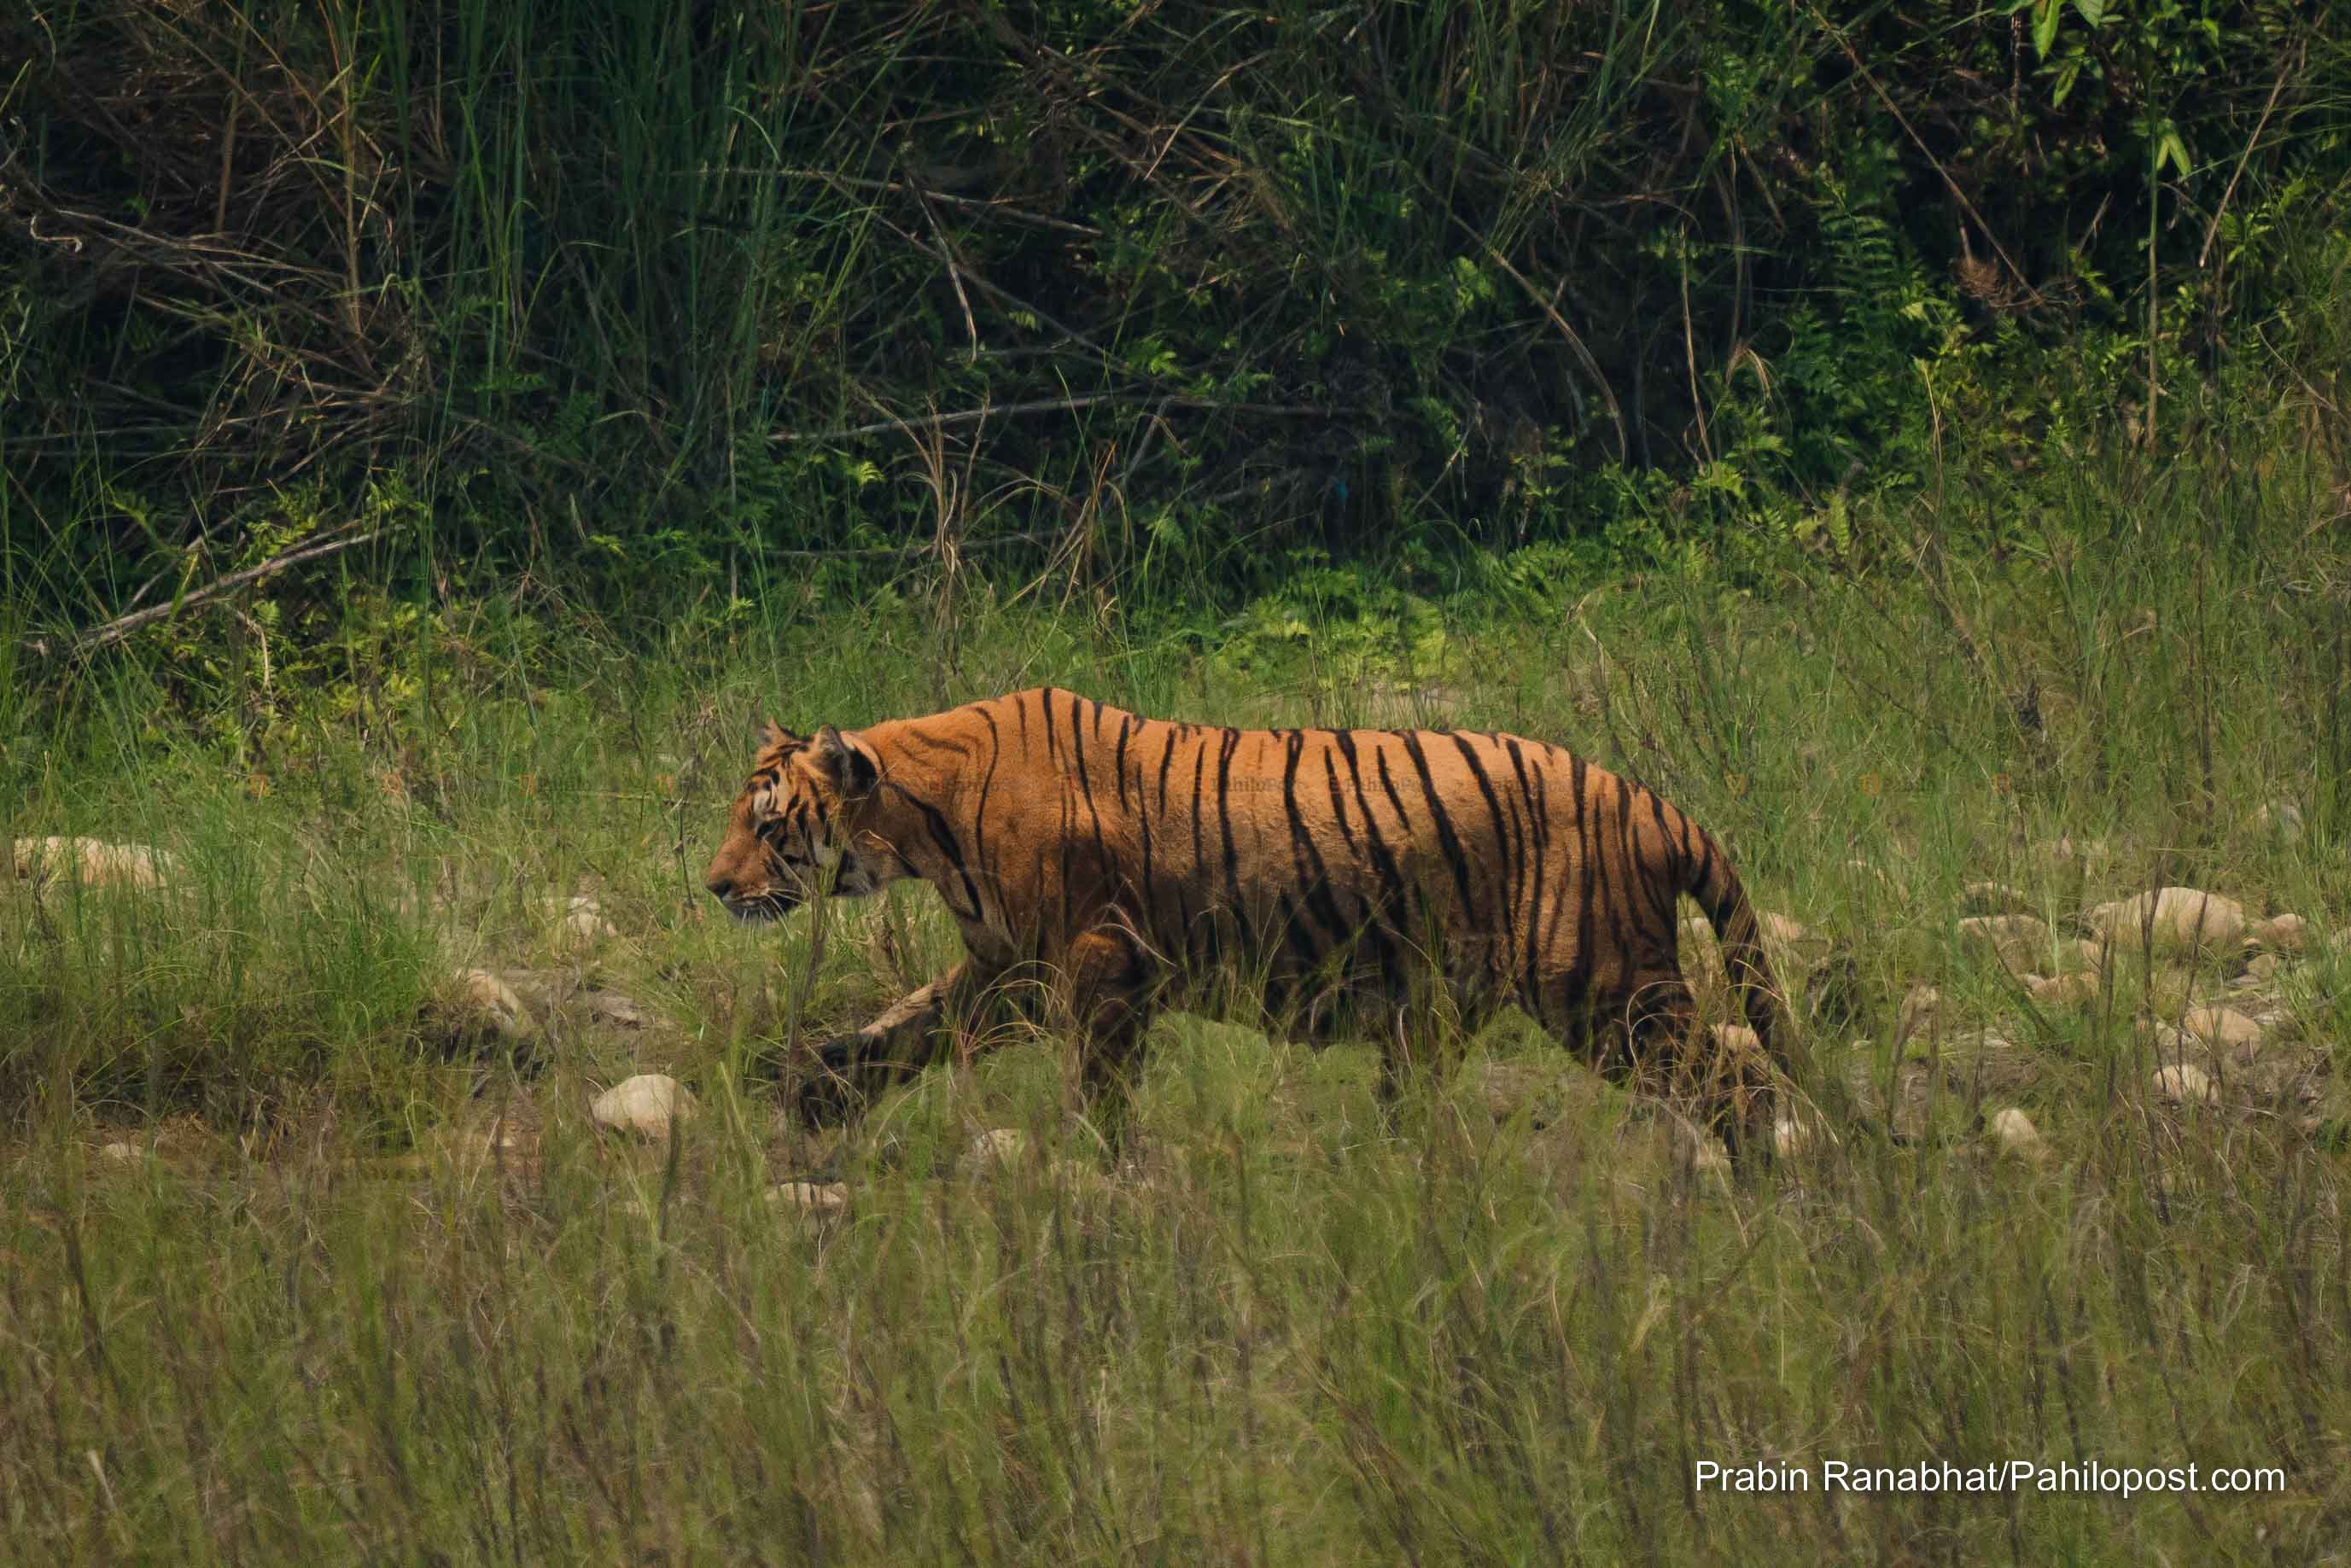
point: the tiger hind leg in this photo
(1102, 998)
(1652, 1039)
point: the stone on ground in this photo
(483, 1002)
(809, 1197)
(582, 920)
(2281, 933)
(2172, 920)
(2223, 1028)
(645, 1104)
(93, 863)
(2013, 1131)
(2186, 1084)
(2077, 990)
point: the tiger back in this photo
(1333, 874)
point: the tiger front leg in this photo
(848, 1072)
(1103, 997)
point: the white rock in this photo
(2281, 933)
(645, 1105)
(488, 1001)
(1779, 930)
(810, 1197)
(2181, 920)
(2186, 1084)
(996, 1147)
(2077, 990)
(2221, 1028)
(581, 919)
(93, 861)
(121, 1154)
(2000, 930)
(2016, 1134)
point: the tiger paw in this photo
(829, 1092)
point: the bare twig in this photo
(954, 269)
(1591, 365)
(1055, 406)
(895, 187)
(113, 632)
(915, 547)
(2251, 142)
(1933, 163)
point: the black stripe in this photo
(1505, 847)
(1086, 786)
(1199, 851)
(1166, 753)
(1389, 913)
(912, 738)
(1306, 859)
(1338, 800)
(943, 835)
(1532, 789)
(1142, 817)
(1125, 733)
(1224, 827)
(979, 807)
(1445, 838)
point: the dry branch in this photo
(114, 631)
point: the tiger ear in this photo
(770, 732)
(845, 765)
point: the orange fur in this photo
(1131, 861)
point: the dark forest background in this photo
(680, 303)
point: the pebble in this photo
(94, 862)
(484, 998)
(2077, 990)
(2182, 920)
(2281, 933)
(2016, 1134)
(645, 1105)
(810, 1197)
(2222, 1027)
(2186, 1084)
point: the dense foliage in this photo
(1183, 287)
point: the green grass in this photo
(322, 1317)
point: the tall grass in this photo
(673, 297)
(373, 1285)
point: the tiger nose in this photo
(719, 883)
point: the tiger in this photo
(1115, 866)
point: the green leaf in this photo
(2044, 28)
(2169, 149)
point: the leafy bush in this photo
(662, 296)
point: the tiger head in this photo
(794, 830)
